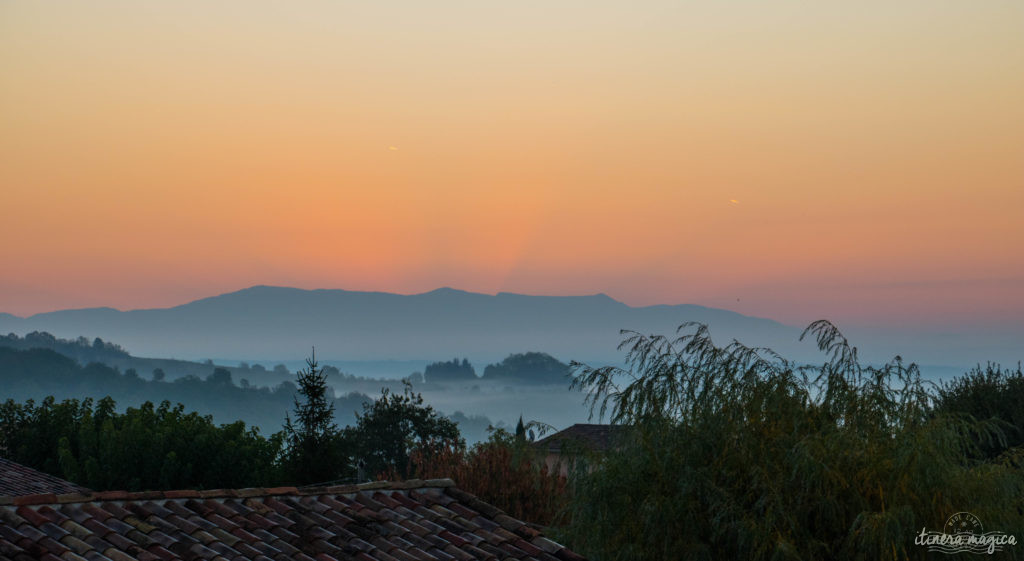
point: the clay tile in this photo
(463, 511)
(220, 508)
(513, 550)
(479, 553)
(116, 510)
(250, 492)
(111, 495)
(439, 483)
(98, 544)
(178, 508)
(51, 514)
(411, 484)
(73, 498)
(546, 544)
(527, 532)
(221, 522)
(508, 522)
(386, 500)
(158, 509)
(458, 553)
(246, 550)
(366, 500)
(39, 499)
(373, 485)
(342, 489)
(121, 542)
(452, 538)
(78, 546)
(30, 515)
(161, 552)
(566, 555)
(441, 555)
(116, 555)
(200, 550)
(217, 493)
(401, 555)
(143, 555)
(94, 511)
(75, 529)
(72, 556)
(48, 544)
(277, 505)
(527, 547)
(181, 494)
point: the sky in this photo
(858, 161)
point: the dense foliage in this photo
(739, 453)
(314, 450)
(532, 368)
(989, 393)
(38, 373)
(389, 428)
(504, 471)
(451, 371)
(83, 350)
(150, 447)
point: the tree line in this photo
(726, 452)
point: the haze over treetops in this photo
(791, 160)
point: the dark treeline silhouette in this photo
(82, 349)
(450, 371)
(37, 373)
(533, 368)
(517, 368)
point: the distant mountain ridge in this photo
(270, 323)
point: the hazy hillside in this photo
(274, 324)
(271, 323)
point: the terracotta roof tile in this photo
(593, 437)
(18, 480)
(426, 521)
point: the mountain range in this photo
(267, 323)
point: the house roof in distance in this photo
(412, 520)
(16, 479)
(593, 437)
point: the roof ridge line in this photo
(244, 493)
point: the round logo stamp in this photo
(963, 523)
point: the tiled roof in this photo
(407, 521)
(594, 437)
(16, 479)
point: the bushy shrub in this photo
(740, 454)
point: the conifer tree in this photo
(313, 453)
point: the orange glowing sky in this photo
(857, 161)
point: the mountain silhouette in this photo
(270, 323)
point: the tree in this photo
(992, 393)
(220, 377)
(145, 448)
(505, 471)
(314, 450)
(390, 427)
(535, 368)
(451, 371)
(736, 452)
